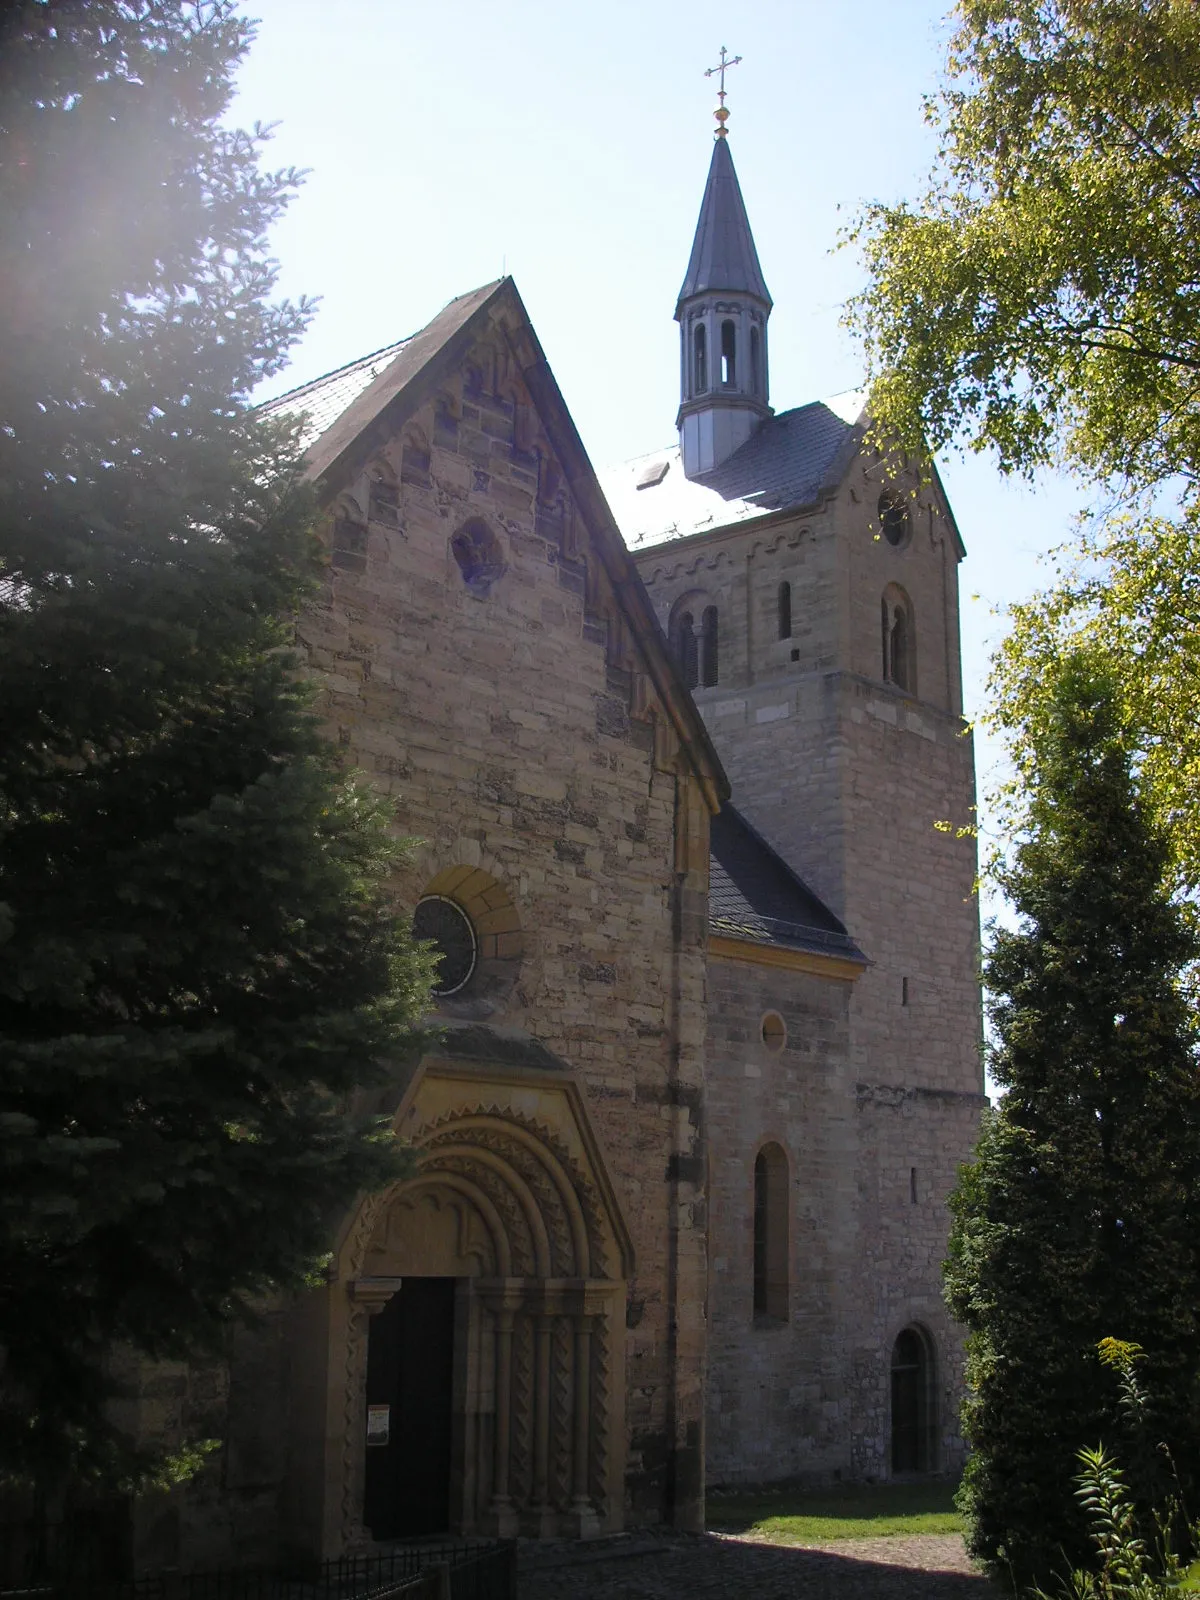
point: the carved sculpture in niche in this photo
(415, 458)
(383, 494)
(349, 540)
(550, 480)
(430, 1233)
(476, 550)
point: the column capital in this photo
(373, 1293)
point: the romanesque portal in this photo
(478, 1311)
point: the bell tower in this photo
(722, 312)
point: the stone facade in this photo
(867, 789)
(515, 718)
(687, 1183)
(488, 658)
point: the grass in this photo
(817, 1516)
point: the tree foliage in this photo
(1129, 594)
(1080, 1216)
(199, 963)
(1043, 298)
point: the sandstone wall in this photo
(512, 722)
(498, 695)
(849, 778)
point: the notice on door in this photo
(379, 1424)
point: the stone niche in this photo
(512, 1205)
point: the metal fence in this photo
(459, 1569)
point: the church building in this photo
(683, 749)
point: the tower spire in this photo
(720, 113)
(722, 313)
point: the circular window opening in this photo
(448, 928)
(774, 1031)
(893, 517)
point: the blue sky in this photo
(568, 145)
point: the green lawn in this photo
(813, 1516)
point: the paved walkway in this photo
(727, 1567)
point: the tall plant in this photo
(199, 962)
(1080, 1212)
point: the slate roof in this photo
(723, 253)
(343, 402)
(753, 894)
(790, 460)
(325, 398)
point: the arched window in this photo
(683, 645)
(914, 1410)
(755, 362)
(728, 352)
(771, 1233)
(893, 517)
(700, 359)
(899, 648)
(709, 661)
(898, 639)
(785, 610)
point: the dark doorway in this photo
(911, 1417)
(410, 1372)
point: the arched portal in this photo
(479, 1311)
(913, 1432)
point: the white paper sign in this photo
(379, 1424)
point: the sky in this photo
(568, 145)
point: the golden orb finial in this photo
(721, 114)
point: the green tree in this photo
(1043, 299)
(199, 964)
(1080, 1216)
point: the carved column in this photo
(580, 1501)
(374, 1293)
(502, 1506)
(543, 1332)
(368, 1296)
(585, 1520)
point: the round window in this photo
(448, 928)
(774, 1032)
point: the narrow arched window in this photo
(709, 660)
(755, 361)
(885, 623)
(771, 1233)
(900, 649)
(683, 644)
(914, 1411)
(899, 640)
(728, 352)
(785, 610)
(700, 359)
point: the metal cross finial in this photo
(720, 113)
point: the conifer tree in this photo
(198, 963)
(1080, 1217)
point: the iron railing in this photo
(459, 1569)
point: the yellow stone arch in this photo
(511, 1198)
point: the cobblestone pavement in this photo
(716, 1566)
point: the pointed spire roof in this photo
(723, 253)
